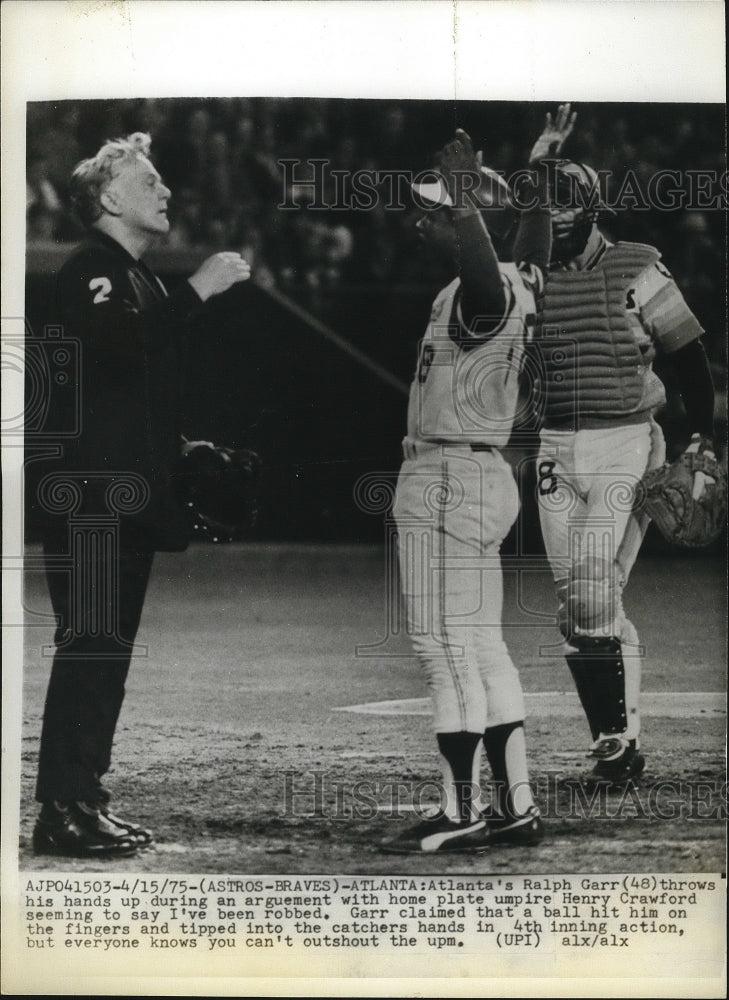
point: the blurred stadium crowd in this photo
(221, 158)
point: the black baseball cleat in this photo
(102, 798)
(137, 833)
(618, 760)
(439, 835)
(77, 830)
(521, 831)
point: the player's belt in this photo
(412, 449)
(595, 421)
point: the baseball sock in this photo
(506, 752)
(461, 760)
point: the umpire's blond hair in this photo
(90, 177)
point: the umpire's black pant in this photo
(98, 602)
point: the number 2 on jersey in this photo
(104, 287)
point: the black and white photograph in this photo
(364, 491)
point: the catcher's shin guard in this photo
(599, 675)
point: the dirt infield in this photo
(242, 744)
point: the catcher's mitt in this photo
(219, 486)
(666, 495)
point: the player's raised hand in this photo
(218, 273)
(460, 167)
(554, 134)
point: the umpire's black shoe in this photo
(141, 836)
(519, 831)
(618, 760)
(77, 830)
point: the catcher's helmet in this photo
(576, 205)
(493, 197)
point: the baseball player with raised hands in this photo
(456, 500)
(606, 310)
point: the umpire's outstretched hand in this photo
(218, 273)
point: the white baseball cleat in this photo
(520, 831)
(439, 835)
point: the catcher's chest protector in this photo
(590, 359)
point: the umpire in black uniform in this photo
(111, 501)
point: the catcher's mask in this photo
(492, 196)
(575, 207)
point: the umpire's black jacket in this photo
(131, 337)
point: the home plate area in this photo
(565, 704)
(269, 728)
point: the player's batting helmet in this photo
(493, 197)
(576, 204)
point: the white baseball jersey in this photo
(466, 385)
(454, 506)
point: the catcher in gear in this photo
(606, 311)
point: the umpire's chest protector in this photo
(131, 342)
(590, 363)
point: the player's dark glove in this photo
(219, 485)
(456, 160)
(668, 495)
